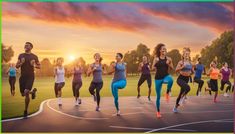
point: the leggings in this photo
(223, 84)
(200, 84)
(115, 86)
(12, 81)
(76, 87)
(158, 87)
(182, 81)
(98, 86)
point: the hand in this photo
(141, 65)
(32, 62)
(22, 60)
(168, 62)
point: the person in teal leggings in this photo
(119, 79)
(161, 64)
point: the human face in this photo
(118, 57)
(186, 54)
(27, 47)
(97, 57)
(163, 50)
(145, 59)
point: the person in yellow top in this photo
(214, 74)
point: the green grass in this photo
(14, 106)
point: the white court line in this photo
(32, 115)
(136, 128)
(185, 124)
(72, 116)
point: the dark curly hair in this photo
(157, 49)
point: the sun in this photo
(71, 57)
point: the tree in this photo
(132, 61)
(175, 56)
(222, 47)
(7, 53)
(142, 50)
(47, 68)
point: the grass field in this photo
(14, 106)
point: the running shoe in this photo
(158, 114)
(79, 101)
(215, 101)
(97, 109)
(138, 96)
(226, 95)
(34, 93)
(175, 110)
(118, 113)
(76, 103)
(149, 98)
(25, 114)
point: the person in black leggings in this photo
(199, 69)
(12, 77)
(144, 67)
(184, 67)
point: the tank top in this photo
(187, 67)
(77, 76)
(225, 74)
(119, 74)
(97, 73)
(145, 69)
(12, 72)
(59, 77)
(161, 69)
(214, 74)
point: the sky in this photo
(73, 29)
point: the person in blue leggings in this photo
(162, 64)
(119, 79)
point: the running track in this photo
(198, 114)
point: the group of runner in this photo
(162, 64)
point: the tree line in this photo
(221, 47)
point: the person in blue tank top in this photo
(12, 77)
(199, 69)
(162, 64)
(97, 82)
(144, 68)
(119, 79)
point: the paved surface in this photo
(197, 114)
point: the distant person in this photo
(119, 79)
(27, 62)
(144, 68)
(12, 77)
(199, 69)
(77, 81)
(162, 64)
(59, 73)
(226, 73)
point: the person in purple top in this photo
(144, 67)
(226, 72)
(77, 81)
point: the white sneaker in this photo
(118, 113)
(76, 102)
(226, 95)
(59, 101)
(170, 94)
(199, 94)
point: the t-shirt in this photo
(26, 68)
(199, 70)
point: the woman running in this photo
(12, 77)
(144, 67)
(184, 67)
(199, 69)
(97, 81)
(214, 74)
(77, 81)
(226, 72)
(162, 64)
(59, 79)
(119, 79)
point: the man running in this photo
(27, 62)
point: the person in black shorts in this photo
(144, 67)
(27, 62)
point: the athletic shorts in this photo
(214, 85)
(144, 77)
(26, 82)
(58, 87)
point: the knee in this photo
(26, 92)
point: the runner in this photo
(77, 81)
(119, 79)
(144, 67)
(184, 67)
(199, 69)
(27, 62)
(214, 74)
(162, 64)
(97, 81)
(12, 77)
(59, 79)
(226, 72)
